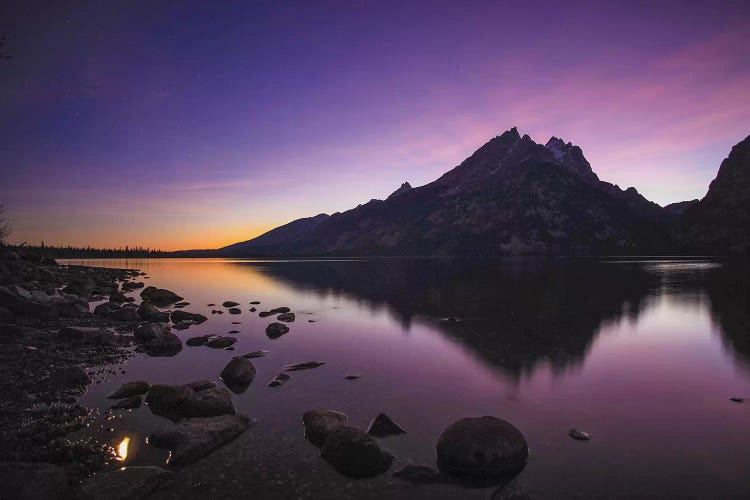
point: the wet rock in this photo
(126, 314)
(34, 481)
(286, 317)
(196, 341)
(134, 388)
(127, 403)
(126, 483)
(384, 426)
(202, 385)
(263, 314)
(481, 448)
(252, 309)
(320, 423)
(238, 374)
(230, 303)
(354, 453)
(221, 342)
(255, 302)
(117, 297)
(129, 286)
(353, 377)
(579, 434)
(149, 312)
(737, 400)
(276, 330)
(184, 316)
(87, 335)
(421, 474)
(256, 354)
(195, 438)
(208, 403)
(151, 331)
(165, 399)
(233, 331)
(217, 312)
(165, 345)
(80, 287)
(182, 304)
(279, 310)
(106, 308)
(302, 366)
(234, 310)
(279, 379)
(160, 296)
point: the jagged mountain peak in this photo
(404, 188)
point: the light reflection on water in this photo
(643, 354)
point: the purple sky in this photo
(190, 125)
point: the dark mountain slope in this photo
(512, 196)
(271, 241)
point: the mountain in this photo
(404, 188)
(721, 220)
(275, 239)
(680, 207)
(511, 196)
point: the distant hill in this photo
(274, 240)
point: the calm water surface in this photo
(644, 354)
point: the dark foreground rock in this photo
(276, 330)
(421, 474)
(320, 423)
(188, 317)
(286, 317)
(384, 426)
(127, 483)
(280, 379)
(33, 481)
(134, 388)
(354, 453)
(193, 439)
(160, 296)
(308, 365)
(481, 448)
(238, 374)
(127, 403)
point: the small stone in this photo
(384, 426)
(579, 435)
(256, 354)
(234, 310)
(279, 379)
(276, 330)
(286, 317)
(303, 366)
(230, 303)
(353, 377)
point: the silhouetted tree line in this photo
(71, 252)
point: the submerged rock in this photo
(276, 330)
(320, 423)
(481, 448)
(286, 317)
(302, 366)
(255, 302)
(126, 483)
(353, 377)
(737, 400)
(134, 388)
(579, 434)
(384, 426)
(221, 342)
(195, 438)
(238, 374)
(196, 341)
(279, 379)
(355, 453)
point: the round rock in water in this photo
(320, 423)
(481, 448)
(354, 453)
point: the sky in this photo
(183, 124)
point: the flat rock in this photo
(303, 366)
(230, 303)
(384, 426)
(196, 341)
(256, 354)
(221, 342)
(279, 379)
(187, 317)
(202, 385)
(126, 483)
(234, 310)
(279, 310)
(276, 330)
(353, 377)
(354, 453)
(195, 438)
(421, 474)
(127, 403)
(579, 435)
(134, 388)
(208, 403)
(481, 448)
(320, 423)
(160, 296)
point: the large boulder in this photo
(106, 308)
(355, 453)
(148, 312)
(197, 437)
(160, 296)
(33, 481)
(151, 331)
(238, 374)
(167, 399)
(126, 314)
(481, 448)
(209, 402)
(126, 483)
(320, 423)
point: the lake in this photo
(642, 353)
